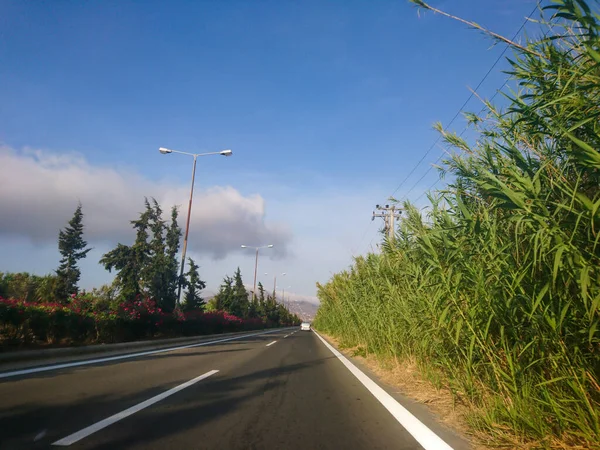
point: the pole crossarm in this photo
(389, 214)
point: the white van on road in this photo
(305, 326)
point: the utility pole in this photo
(255, 269)
(389, 214)
(185, 236)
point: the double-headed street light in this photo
(275, 284)
(166, 151)
(256, 264)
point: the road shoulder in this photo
(430, 418)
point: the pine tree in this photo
(239, 303)
(194, 284)
(282, 314)
(271, 310)
(130, 261)
(224, 297)
(261, 310)
(161, 270)
(150, 265)
(172, 266)
(253, 308)
(72, 248)
(153, 271)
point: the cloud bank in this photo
(39, 192)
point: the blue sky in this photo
(326, 105)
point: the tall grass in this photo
(497, 288)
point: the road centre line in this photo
(271, 343)
(16, 373)
(424, 436)
(81, 434)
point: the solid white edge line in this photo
(86, 362)
(81, 434)
(271, 343)
(424, 436)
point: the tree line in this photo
(233, 297)
(146, 268)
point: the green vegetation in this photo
(234, 298)
(101, 315)
(26, 286)
(72, 248)
(496, 291)
(84, 321)
(149, 266)
(194, 286)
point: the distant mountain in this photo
(304, 309)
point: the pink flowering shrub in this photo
(80, 321)
(139, 308)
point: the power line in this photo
(466, 127)
(427, 190)
(423, 176)
(449, 124)
(364, 234)
(440, 157)
(466, 102)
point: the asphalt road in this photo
(262, 392)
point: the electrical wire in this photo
(473, 92)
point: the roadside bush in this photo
(28, 287)
(78, 322)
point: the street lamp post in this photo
(275, 285)
(256, 264)
(283, 295)
(166, 151)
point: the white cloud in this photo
(39, 192)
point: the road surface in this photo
(279, 390)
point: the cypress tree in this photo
(194, 284)
(72, 248)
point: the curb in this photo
(121, 347)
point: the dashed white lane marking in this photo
(81, 434)
(271, 343)
(424, 436)
(16, 373)
(40, 435)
